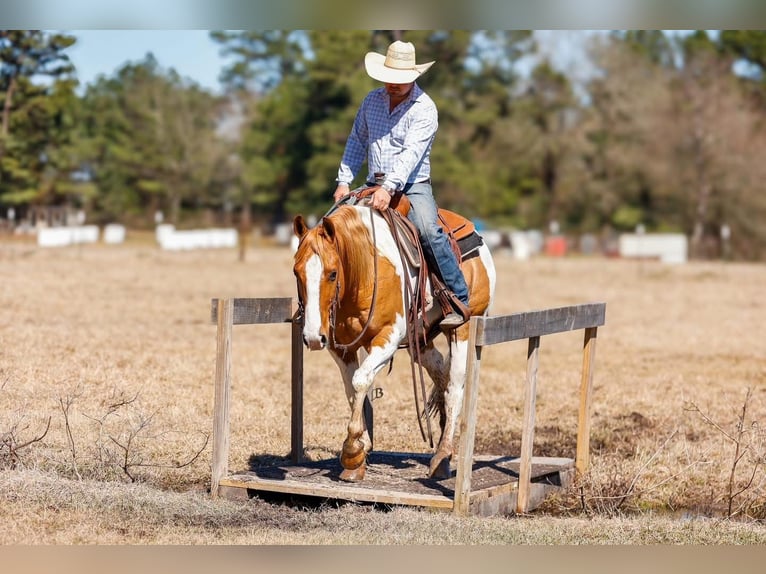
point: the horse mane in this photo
(354, 245)
(353, 242)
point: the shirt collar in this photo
(414, 94)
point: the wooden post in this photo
(586, 386)
(220, 463)
(296, 408)
(528, 426)
(467, 424)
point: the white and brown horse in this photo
(338, 264)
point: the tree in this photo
(676, 146)
(721, 142)
(267, 76)
(151, 141)
(26, 54)
(627, 130)
(38, 119)
(548, 114)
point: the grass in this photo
(110, 349)
(46, 509)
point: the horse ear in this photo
(299, 226)
(329, 228)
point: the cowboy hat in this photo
(397, 66)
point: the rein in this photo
(413, 326)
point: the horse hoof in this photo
(352, 460)
(439, 469)
(353, 474)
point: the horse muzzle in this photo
(315, 343)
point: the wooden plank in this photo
(296, 389)
(220, 462)
(586, 386)
(502, 328)
(528, 426)
(253, 311)
(468, 423)
(340, 490)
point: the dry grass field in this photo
(106, 391)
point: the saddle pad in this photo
(469, 245)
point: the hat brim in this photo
(374, 63)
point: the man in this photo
(394, 130)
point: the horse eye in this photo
(333, 275)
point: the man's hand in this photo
(380, 198)
(340, 192)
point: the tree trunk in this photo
(704, 188)
(7, 106)
(5, 128)
(245, 228)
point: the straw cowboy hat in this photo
(397, 66)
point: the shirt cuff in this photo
(389, 187)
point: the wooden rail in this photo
(532, 326)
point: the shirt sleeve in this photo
(356, 147)
(417, 142)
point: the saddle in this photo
(424, 316)
(460, 231)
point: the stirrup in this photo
(452, 321)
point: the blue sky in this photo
(190, 52)
(195, 56)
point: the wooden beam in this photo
(468, 424)
(492, 330)
(586, 387)
(528, 426)
(220, 462)
(248, 311)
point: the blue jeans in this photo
(435, 242)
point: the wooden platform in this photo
(402, 479)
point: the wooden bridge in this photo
(481, 484)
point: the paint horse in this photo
(352, 285)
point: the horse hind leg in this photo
(439, 371)
(453, 405)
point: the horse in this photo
(352, 287)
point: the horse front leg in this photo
(348, 364)
(353, 457)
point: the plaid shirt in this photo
(397, 143)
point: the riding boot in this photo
(458, 316)
(455, 312)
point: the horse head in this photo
(317, 272)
